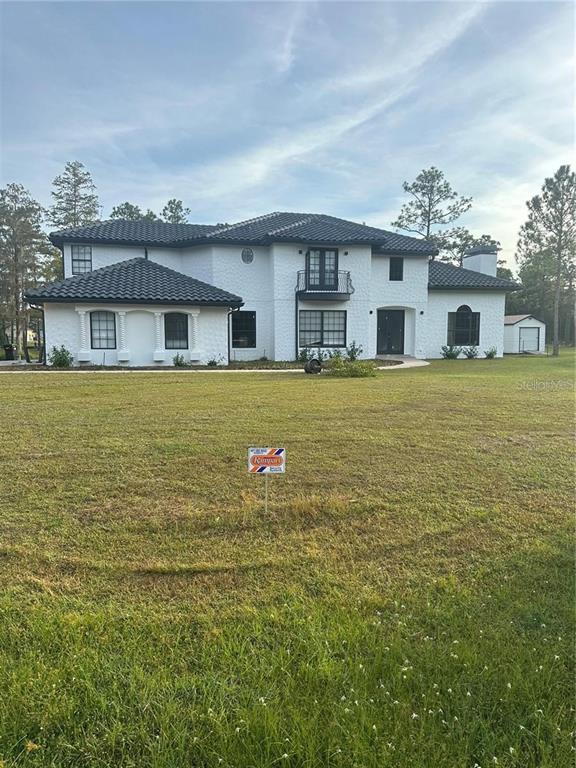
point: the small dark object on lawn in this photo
(313, 366)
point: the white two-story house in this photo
(136, 293)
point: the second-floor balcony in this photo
(335, 287)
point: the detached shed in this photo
(523, 333)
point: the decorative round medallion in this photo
(247, 255)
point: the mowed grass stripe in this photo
(154, 615)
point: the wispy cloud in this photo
(243, 107)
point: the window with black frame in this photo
(396, 272)
(103, 330)
(176, 330)
(243, 330)
(464, 327)
(322, 328)
(81, 259)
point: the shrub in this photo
(471, 352)
(357, 369)
(335, 354)
(214, 362)
(490, 354)
(451, 352)
(179, 361)
(353, 351)
(304, 355)
(60, 357)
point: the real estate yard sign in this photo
(264, 461)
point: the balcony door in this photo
(322, 270)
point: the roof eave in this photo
(60, 240)
(472, 287)
(133, 302)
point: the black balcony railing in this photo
(309, 287)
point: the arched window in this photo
(464, 327)
(103, 330)
(176, 330)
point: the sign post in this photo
(266, 461)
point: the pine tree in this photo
(21, 243)
(174, 212)
(130, 212)
(433, 203)
(547, 244)
(75, 199)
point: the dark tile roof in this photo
(442, 276)
(135, 281)
(131, 232)
(307, 228)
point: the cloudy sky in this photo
(242, 108)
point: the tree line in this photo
(545, 252)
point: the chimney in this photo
(482, 258)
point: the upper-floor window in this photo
(396, 268)
(322, 328)
(175, 330)
(322, 268)
(243, 330)
(464, 327)
(81, 259)
(103, 330)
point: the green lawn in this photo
(407, 602)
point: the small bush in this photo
(60, 357)
(335, 354)
(214, 362)
(353, 351)
(179, 361)
(490, 354)
(451, 352)
(356, 369)
(471, 352)
(304, 355)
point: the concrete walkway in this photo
(405, 362)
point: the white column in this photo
(159, 345)
(84, 353)
(123, 351)
(194, 329)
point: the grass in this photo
(407, 601)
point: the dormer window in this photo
(81, 259)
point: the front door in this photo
(390, 337)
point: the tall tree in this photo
(174, 212)
(434, 203)
(75, 199)
(130, 212)
(21, 241)
(453, 244)
(547, 242)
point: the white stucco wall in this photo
(63, 327)
(440, 303)
(267, 286)
(512, 343)
(410, 294)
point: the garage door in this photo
(529, 339)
